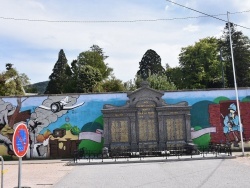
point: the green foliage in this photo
(158, 82)
(175, 75)
(111, 85)
(11, 82)
(130, 85)
(95, 58)
(88, 78)
(200, 65)
(150, 64)
(88, 72)
(59, 76)
(241, 51)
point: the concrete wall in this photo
(58, 124)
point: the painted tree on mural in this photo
(58, 78)
(150, 64)
(241, 51)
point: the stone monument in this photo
(146, 121)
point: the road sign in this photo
(20, 140)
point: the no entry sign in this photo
(20, 140)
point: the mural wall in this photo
(60, 124)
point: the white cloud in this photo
(191, 28)
(125, 43)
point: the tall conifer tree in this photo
(59, 76)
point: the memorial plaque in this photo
(179, 122)
(119, 131)
(146, 121)
(170, 129)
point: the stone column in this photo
(162, 132)
(188, 127)
(133, 138)
(106, 132)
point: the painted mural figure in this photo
(4, 125)
(231, 125)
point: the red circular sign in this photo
(20, 140)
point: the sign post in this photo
(20, 145)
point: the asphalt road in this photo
(219, 173)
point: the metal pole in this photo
(2, 171)
(19, 172)
(235, 85)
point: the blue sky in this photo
(33, 46)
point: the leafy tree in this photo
(95, 58)
(176, 76)
(88, 78)
(130, 85)
(158, 82)
(11, 82)
(150, 64)
(241, 51)
(61, 73)
(200, 64)
(112, 84)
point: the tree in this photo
(130, 85)
(175, 75)
(95, 58)
(60, 75)
(11, 82)
(156, 81)
(241, 51)
(150, 64)
(200, 64)
(112, 84)
(88, 78)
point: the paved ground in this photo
(195, 173)
(219, 173)
(35, 174)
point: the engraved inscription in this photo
(146, 121)
(174, 128)
(119, 131)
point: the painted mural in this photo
(60, 124)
